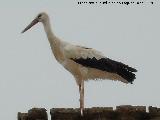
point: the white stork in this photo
(82, 62)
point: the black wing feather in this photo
(108, 65)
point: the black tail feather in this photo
(126, 72)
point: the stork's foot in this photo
(82, 111)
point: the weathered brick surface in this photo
(124, 112)
(22, 116)
(34, 114)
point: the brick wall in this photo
(125, 112)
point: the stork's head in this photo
(41, 17)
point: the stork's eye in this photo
(39, 16)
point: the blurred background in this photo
(31, 77)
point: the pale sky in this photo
(31, 77)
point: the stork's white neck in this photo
(53, 40)
(48, 30)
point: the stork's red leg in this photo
(81, 96)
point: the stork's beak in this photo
(35, 21)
